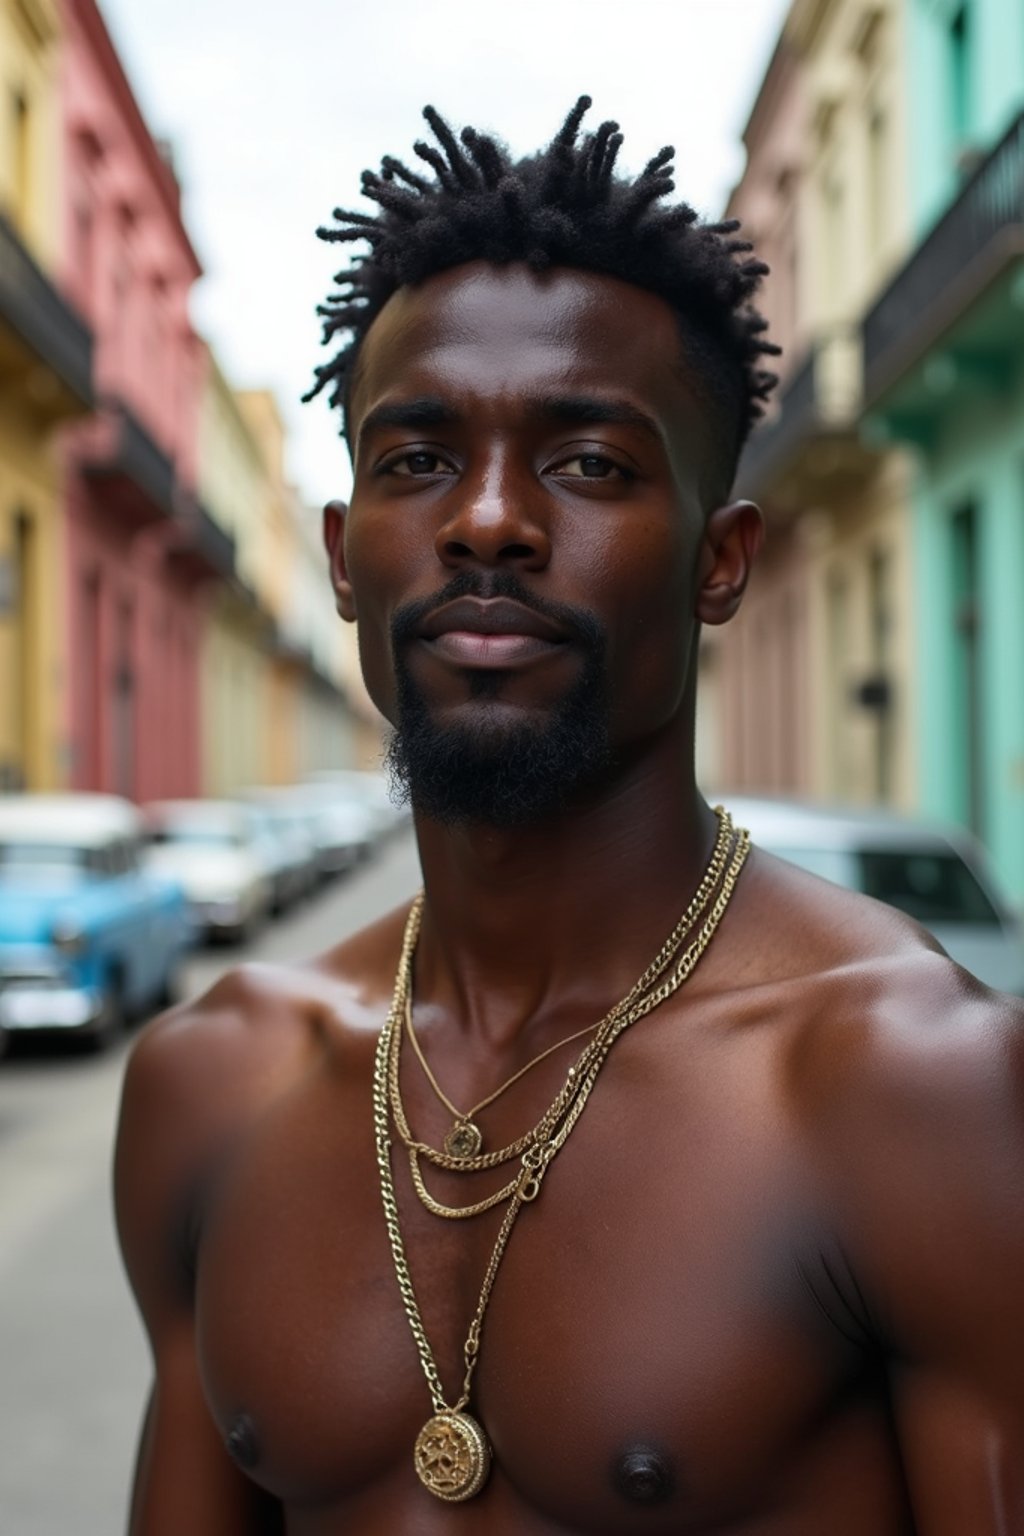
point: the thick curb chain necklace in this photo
(452, 1454)
(666, 957)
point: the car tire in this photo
(170, 988)
(113, 1019)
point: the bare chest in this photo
(665, 1342)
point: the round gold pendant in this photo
(463, 1140)
(452, 1456)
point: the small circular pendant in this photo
(452, 1456)
(463, 1140)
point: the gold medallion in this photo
(452, 1456)
(463, 1140)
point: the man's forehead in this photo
(487, 328)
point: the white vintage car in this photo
(938, 874)
(215, 849)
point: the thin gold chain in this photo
(664, 958)
(469, 1114)
(536, 1159)
(612, 1026)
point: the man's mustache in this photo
(579, 623)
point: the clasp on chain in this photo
(535, 1166)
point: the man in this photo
(747, 1252)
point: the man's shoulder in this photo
(199, 1071)
(880, 1018)
(904, 1074)
(258, 1010)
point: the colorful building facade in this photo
(817, 690)
(275, 700)
(238, 639)
(142, 553)
(45, 380)
(944, 371)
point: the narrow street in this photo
(73, 1360)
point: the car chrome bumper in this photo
(35, 1007)
(218, 916)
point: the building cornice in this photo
(766, 101)
(804, 22)
(161, 176)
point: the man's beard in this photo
(489, 770)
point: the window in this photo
(878, 154)
(931, 887)
(833, 208)
(880, 608)
(960, 45)
(21, 138)
(84, 253)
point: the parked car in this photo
(213, 847)
(88, 937)
(342, 828)
(292, 850)
(937, 874)
(367, 788)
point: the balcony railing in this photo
(135, 458)
(971, 243)
(46, 323)
(204, 548)
(821, 398)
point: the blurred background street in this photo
(75, 1363)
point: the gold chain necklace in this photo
(665, 957)
(580, 1078)
(452, 1454)
(465, 1139)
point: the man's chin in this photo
(494, 759)
(498, 771)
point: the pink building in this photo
(757, 664)
(141, 552)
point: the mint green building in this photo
(944, 373)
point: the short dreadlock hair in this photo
(563, 207)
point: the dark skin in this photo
(774, 1283)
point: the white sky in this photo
(275, 106)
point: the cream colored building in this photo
(238, 644)
(274, 681)
(814, 682)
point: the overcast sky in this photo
(275, 106)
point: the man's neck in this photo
(525, 922)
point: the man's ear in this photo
(335, 513)
(733, 535)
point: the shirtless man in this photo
(772, 1283)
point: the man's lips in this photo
(490, 632)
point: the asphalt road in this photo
(74, 1365)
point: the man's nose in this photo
(494, 518)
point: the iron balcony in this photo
(38, 326)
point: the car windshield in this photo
(931, 885)
(45, 861)
(203, 834)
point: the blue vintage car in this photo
(88, 938)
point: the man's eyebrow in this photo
(595, 410)
(423, 412)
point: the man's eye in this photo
(590, 466)
(421, 462)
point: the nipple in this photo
(643, 1476)
(241, 1443)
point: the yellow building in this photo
(238, 644)
(814, 683)
(45, 378)
(274, 695)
